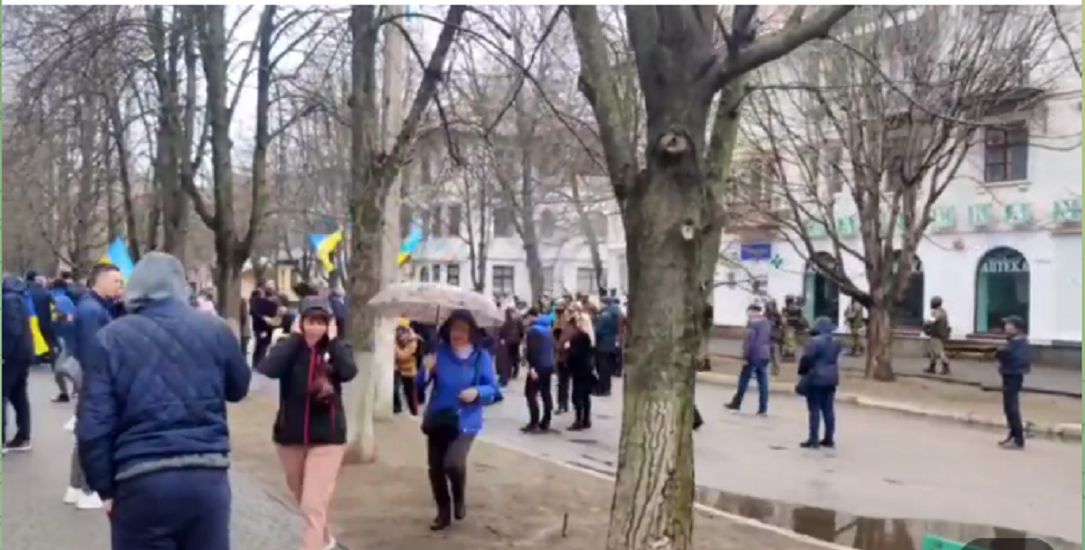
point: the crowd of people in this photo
(151, 370)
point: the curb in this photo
(786, 533)
(1066, 431)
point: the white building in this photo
(1006, 235)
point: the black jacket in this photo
(18, 341)
(580, 354)
(302, 420)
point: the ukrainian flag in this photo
(325, 246)
(410, 244)
(41, 347)
(118, 256)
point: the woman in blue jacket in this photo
(820, 371)
(464, 381)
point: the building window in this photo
(437, 273)
(438, 229)
(547, 224)
(423, 274)
(548, 279)
(585, 280)
(503, 222)
(455, 218)
(504, 280)
(453, 274)
(1005, 153)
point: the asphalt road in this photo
(935, 476)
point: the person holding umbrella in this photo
(464, 380)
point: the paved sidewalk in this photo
(1043, 378)
(34, 518)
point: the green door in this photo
(1002, 288)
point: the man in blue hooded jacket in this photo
(540, 361)
(18, 355)
(152, 415)
(819, 369)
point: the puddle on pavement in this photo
(863, 533)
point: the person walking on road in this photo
(819, 375)
(1014, 362)
(18, 354)
(266, 317)
(406, 369)
(311, 365)
(540, 363)
(64, 326)
(937, 329)
(579, 354)
(43, 304)
(508, 350)
(96, 310)
(607, 332)
(463, 382)
(755, 354)
(152, 432)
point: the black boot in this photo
(458, 480)
(930, 369)
(945, 368)
(439, 484)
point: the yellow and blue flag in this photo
(414, 238)
(325, 246)
(118, 255)
(41, 347)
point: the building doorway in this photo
(909, 311)
(820, 294)
(1002, 288)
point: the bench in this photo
(956, 349)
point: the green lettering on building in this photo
(848, 226)
(980, 215)
(945, 218)
(1019, 214)
(1067, 211)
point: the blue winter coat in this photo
(819, 364)
(755, 348)
(154, 393)
(91, 315)
(540, 345)
(1015, 357)
(43, 306)
(18, 342)
(65, 322)
(453, 375)
(607, 329)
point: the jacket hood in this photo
(823, 325)
(14, 283)
(157, 277)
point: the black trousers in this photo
(583, 386)
(14, 387)
(604, 368)
(263, 342)
(533, 388)
(404, 386)
(564, 381)
(448, 469)
(1011, 405)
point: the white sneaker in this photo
(71, 496)
(89, 501)
(332, 544)
(70, 425)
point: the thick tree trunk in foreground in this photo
(879, 358)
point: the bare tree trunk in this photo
(588, 230)
(879, 358)
(118, 131)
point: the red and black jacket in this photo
(303, 419)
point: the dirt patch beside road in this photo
(514, 500)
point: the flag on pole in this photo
(118, 255)
(325, 246)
